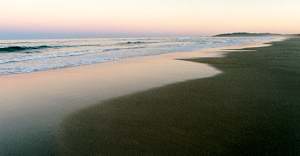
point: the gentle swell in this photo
(117, 49)
(135, 43)
(26, 49)
(22, 48)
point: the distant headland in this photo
(246, 34)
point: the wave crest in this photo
(11, 49)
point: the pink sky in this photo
(186, 17)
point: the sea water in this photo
(25, 56)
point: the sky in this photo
(38, 18)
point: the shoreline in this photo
(72, 83)
(35, 103)
(206, 52)
(251, 108)
(71, 87)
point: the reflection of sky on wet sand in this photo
(31, 105)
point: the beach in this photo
(33, 106)
(149, 78)
(250, 109)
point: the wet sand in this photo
(252, 108)
(32, 105)
(91, 83)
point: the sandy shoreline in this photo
(33, 105)
(252, 108)
(71, 88)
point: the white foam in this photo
(76, 52)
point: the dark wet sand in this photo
(253, 108)
(33, 105)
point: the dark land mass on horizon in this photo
(246, 34)
(249, 34)
(253, 108)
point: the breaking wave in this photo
(12, 49)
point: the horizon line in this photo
(70, 35)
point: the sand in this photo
(34, 104)
(72, 88)
(250, 109)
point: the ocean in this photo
(25, 56)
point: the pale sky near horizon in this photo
(185, 17)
